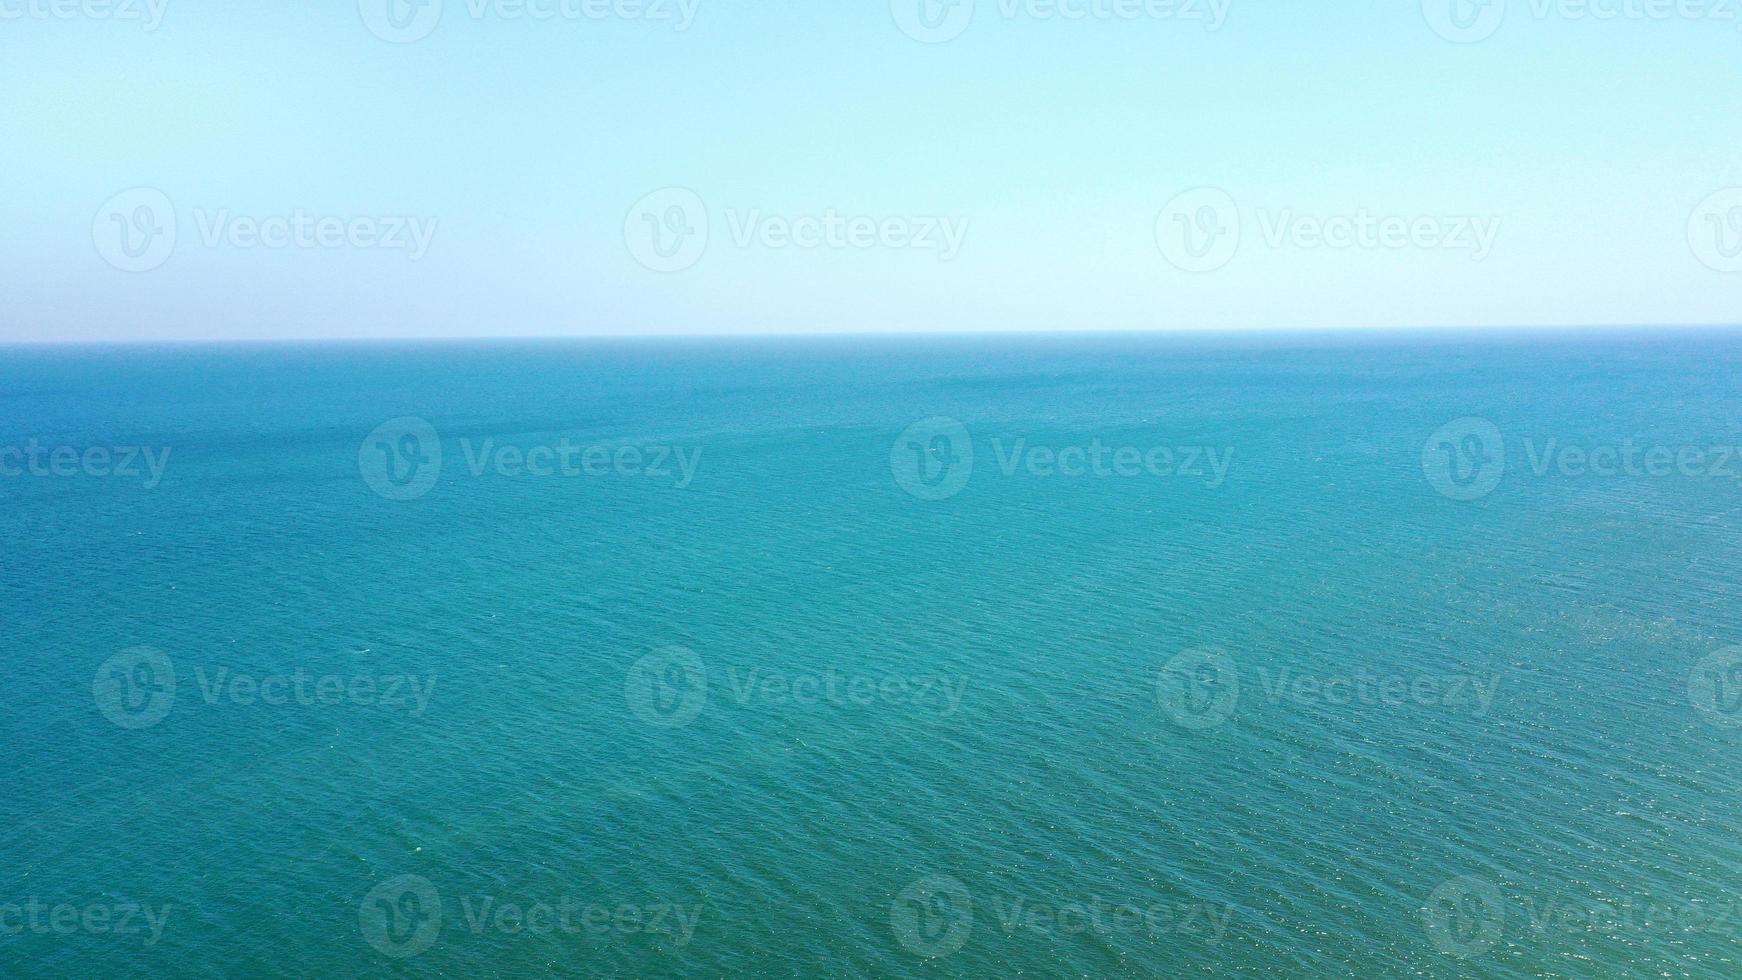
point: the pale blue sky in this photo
(1050, 144)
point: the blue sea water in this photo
(1001, 656)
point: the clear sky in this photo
(549, 167)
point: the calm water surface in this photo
(999, 657)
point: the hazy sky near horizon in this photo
(191, 169)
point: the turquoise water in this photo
(1294, 681)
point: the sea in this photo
(1255, 655)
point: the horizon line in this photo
(878, 334)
